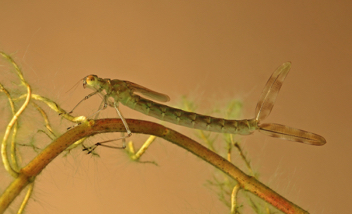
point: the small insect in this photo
(124, 92)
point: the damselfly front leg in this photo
(85, 98)
(101, 107)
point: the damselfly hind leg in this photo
(102, 143)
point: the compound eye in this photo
(90, 78)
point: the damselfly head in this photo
(90, 81)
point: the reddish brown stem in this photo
(137, 126)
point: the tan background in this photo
(212, 51)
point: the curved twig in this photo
(100, 126)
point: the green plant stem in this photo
(4, 156)
(100, 126)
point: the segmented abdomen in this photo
(189, 119)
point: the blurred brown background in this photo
(213, 51)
